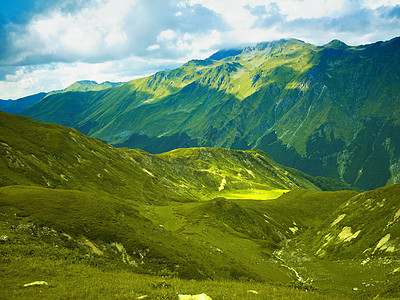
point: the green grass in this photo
(106, 221)
(213, 234)
(90, 218)
(83, 282)
(26, 259)
(374, 214)
(363, 261)
(255, 194)
(54, 156)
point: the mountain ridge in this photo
(18, 105)
(315, 104)
(116, 169)
(87, 85)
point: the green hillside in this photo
(362, 233)
(54, 176)
(73, 209)
(367, 222)
(327, 110)
(53, 156)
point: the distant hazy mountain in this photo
(5, 102)
(329, 110)
(18, 105)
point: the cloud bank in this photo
(47, 45)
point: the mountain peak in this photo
(91, 82)
(336, 44)
(224, 53)
(269, 46)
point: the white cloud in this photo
(314, 8)
(166, 35)
(374, 4)
(233, 12)
(33, 79)
(202, 47)
(153, 47)
(106, 30)
(81, 35)
(315, 21)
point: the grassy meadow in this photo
(98, 222)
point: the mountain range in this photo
(330, 110)
(241, 175)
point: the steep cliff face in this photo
(328, 110)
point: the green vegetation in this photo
(95, 221)
(71, 275)
(327, 110)
(87, 85)
(361, 233)
(53, 156)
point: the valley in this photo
(75, 212)
(199, 149)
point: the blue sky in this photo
(47, 45)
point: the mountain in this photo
(59, 178)
(329, 110)
(225, 53)
(18, 105)
(52, 156)
(4, 102)
(87, 85)
(70, 204)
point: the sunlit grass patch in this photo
(254, 194)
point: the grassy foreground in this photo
(27, 256)
(93, 283)
(78, 280)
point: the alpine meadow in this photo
(265, 171)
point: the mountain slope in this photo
(53, 156)
(365, 226)
(18, 105)
(316, 105)
(53, 176)
(200, 213)
(4, 102)
(361, 233)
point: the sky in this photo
(48, 45)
